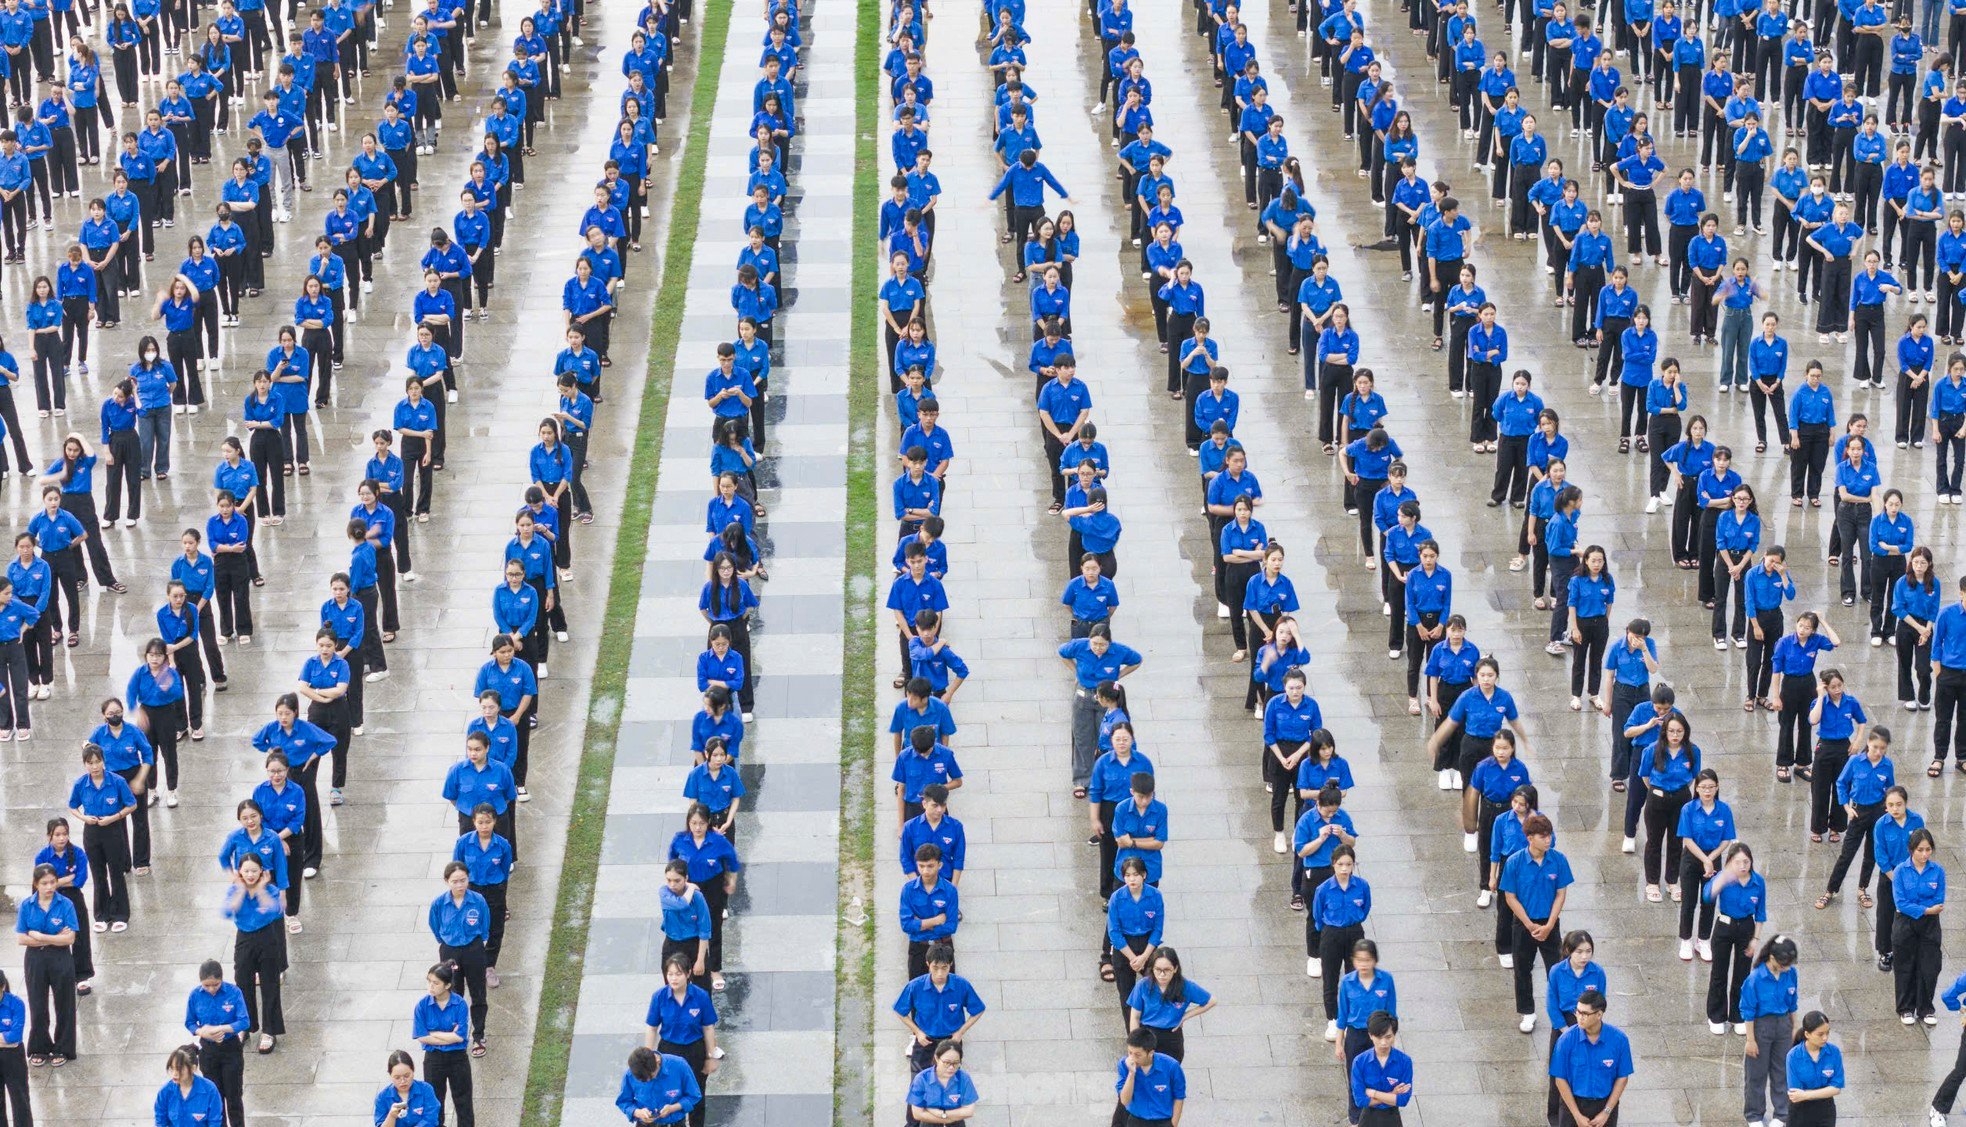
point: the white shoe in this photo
(309, 873)
(1934, 1119)
(409, 577)
(129, 522)
(1507, 960)
(1445, 781)
(1686, 950)
(1630, 845)
(1705, 948)
(450, 396)
(368, 287)
(541, 671)
(1314, 968)
(1331, 1031)
(526, 796)
(1468, 842)
(1651, 505)
(1221, 610)
(1717, 1028)
(1527, 1024)
(1741, 1030)
(1484, 899)
(1907, 1019)
(378, 675)
(1279, 844)
(560, 635)
(356, 730)
(170, 799)
(1455, 777)
(1393, 655)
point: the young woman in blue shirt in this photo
(1915, 602)
(1666, 770)
(713, 868)
(1339, 907)
(1839, 719)
(1768, 1005)
(46, 926)
(441, 1023)
(259, 949)
(1740, 900)
(406, 1101)
(682, 1023)
(71, 865)
(1706, 827)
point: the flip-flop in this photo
(1863, 898)
(1106, 972)
(1935, 770)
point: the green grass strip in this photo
(559, 994)
(853, 1089)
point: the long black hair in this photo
(1177, 987)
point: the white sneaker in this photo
(309, 873)
(1279, 843)
(450, 396)
(1445, 781)
(560, 635)
(1454, 777)
(1686, 950)
(1717, 1028)
(1705, 948)
(1221, 610)
(1331, 1031)
(1527, 1024)
(1651, 505)
(368, 287)
(1934, 1119)
(1741, 1030)
(378, 675)
(409, 577)
(1314, 968)
(1507, 960)
(541, 671)
(1484, 899)
(170, 799)
(1468, 842)
(129, 522)
(1630, 845)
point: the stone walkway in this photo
(777, 1015)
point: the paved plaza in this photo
(1044, 1053)
(358, 968)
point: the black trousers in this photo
(108, 848)
(224, 1064)
(1525, 948)
(1730, 967)
(1335, 954)
(1590, 1108)
(1826, 814)
(1941, 1101)
(50, 974)
(1857, 840)
(1662, 833)
(1916, 953)
(451, 1070)
(470, 961)
(259, 958)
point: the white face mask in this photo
(150, 356)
